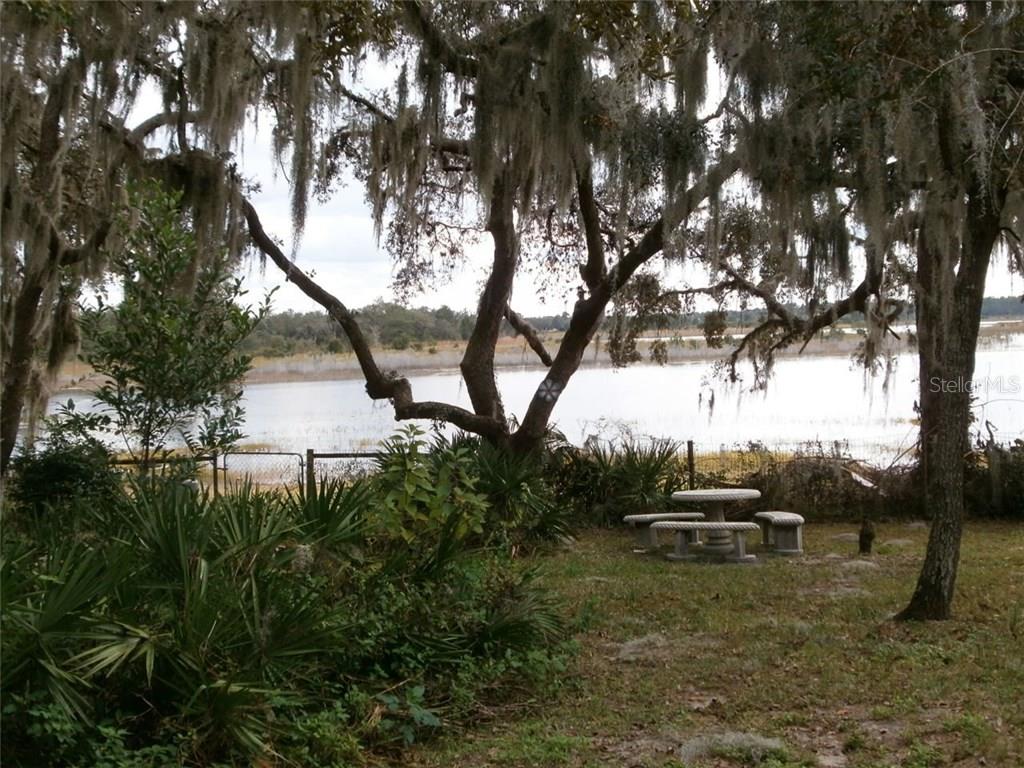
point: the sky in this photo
(338, 246)
(339, 250)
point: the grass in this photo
(793, 651)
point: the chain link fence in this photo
(277, 469)
(343, 466)
(703, 463)
(269, 469)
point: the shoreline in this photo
(514, 354)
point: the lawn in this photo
(789, 662)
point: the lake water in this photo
(808, 399)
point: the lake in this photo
(809, 399)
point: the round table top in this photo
(716, 494)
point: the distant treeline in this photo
(387, 325)
(397, 327)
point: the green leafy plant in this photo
(55, 476)
(522, 509)
(178, 628)
(168, 352)
(426, 491)
(605, 481)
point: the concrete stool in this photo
(781, 531)
(646, 538)
(682, 531)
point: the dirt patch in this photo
(846, 537)
(897, 543)
(825, 745)
(859, 566)
(755, 745)
(640, 749)
(701, 701)
(847, 590)
(653, 647)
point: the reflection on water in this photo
(808, 399)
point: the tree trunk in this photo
(18, 366)
(948, 319)
(477, 364)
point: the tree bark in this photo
(477, 364)
(380, 385)
(40, 269)
(18, 367)
(588, 312)
(948, 319)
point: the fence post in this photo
(310, 474)
(216, 487)
(689, 463)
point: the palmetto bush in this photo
(602, 482)
(167, 627)
(512, 493)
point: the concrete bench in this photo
(683, 530)
(781, 531)
(647, 539)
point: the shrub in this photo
(522, 509)
(814, 486)
(994, 482)
(601, 483)
(178, 628)
(71, 467)
(168, 352)
(57, 476)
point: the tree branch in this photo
(451, 59)
(477, 364)
(65, 256)
(588, 312)
(796, 327)
(528, 332)
(654, 239)
(443, 144)
(594, 270)
(379, 385)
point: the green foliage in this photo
(604, 482)
(173, 627)
(428, 491)
(63, 471)
(168, 350)
(974, 731)
(923, 755)
(523, 508)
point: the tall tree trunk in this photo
(948, 319)
(477, 364)
(18, 366)
(41, 266)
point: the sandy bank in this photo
(514, 354)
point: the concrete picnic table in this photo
(715, 498)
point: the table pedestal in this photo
(717, 542)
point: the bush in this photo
(69, 468)
(994, 482)
(178, 628)
(601, 483)
(816, 487)
(56, 477)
